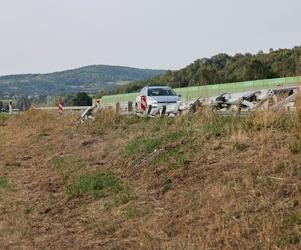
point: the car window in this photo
(160, 92)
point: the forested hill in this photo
(223, 68)
(89, 79)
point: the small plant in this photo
(295, 147)
(109, 229)
(295, 219)
(97, 185)
(221, 126)
(174, 157)
(63, 162)
(293, 235)
(172, 136)
(3, 118)
(3, 182)
(134, 212)
(239, 140)
(142, 146)
(58, 162)
(28, 210)
(291, 238)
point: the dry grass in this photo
(194, 182)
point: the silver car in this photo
(157, 99)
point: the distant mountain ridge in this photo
(92, 78)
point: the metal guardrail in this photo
(190, 93)
(54, 109)
(64, 108)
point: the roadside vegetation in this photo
(3, 116)
(199, 181)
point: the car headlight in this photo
(151, 101)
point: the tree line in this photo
(24, 103)
(223, 68)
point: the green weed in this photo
(295, 219)
(3, 182)
(4, 117)
(293, 235)
(59, 162)
(141, 146)
(63, 162)
(289, 238)
(134, 212)
(295, 147)
(221, 126)
(174, 157)
(97, 185)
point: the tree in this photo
(256, 70)
(82, 99)
(298, 66)
(1, 105)
(223, 68)
(68, 100)
(23, 103)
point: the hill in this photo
(223, 68)
(89, 79)
(195, 182)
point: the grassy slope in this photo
(121, 182)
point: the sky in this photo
(39, 36)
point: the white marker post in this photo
(10, 111)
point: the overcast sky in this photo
(49, 35)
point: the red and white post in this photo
(60, 105)
(143, 103)
(97, 105)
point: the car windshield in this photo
(160, 92)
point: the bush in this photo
(82, 99)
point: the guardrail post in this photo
(130, 106)
(117, 107)
(298, 99)
(163, 111)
